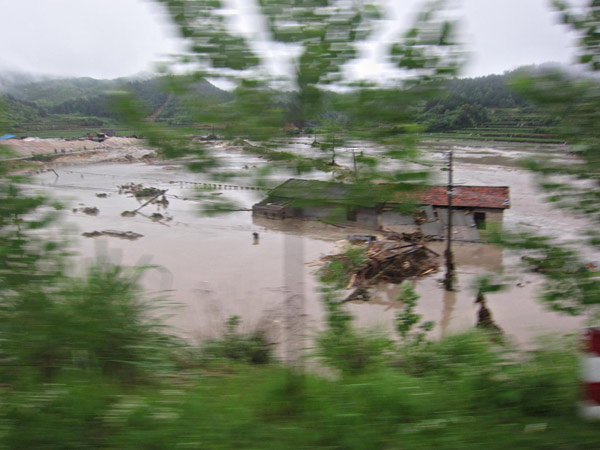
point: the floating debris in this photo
(101, 195)
(360, 238)
(139, 191)
(89, 210)
(163, 201)
(92, 234)
(128, 214)
(129, 235)
(123, 234)
(157, 216)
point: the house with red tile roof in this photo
(379, 206)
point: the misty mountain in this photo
(29, 99)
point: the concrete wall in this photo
(395, 218)
(272, 211)
(367, 217)
(394, 221)
(324, 212)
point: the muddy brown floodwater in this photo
(212, 267)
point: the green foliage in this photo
(71, 347)
(52, 321)
(345, 349)
(85, 102)
(585, 23)
(337, 272)
(67, 413)
(573, 102)
(571, 286)
(321, 41)
(429, 48)
(462, 393)
(97, 322)
(43, 157)
(253, 348)
(407, 319)
(488, 107)
(488, 284)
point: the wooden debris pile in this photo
(142, 193)
(394, 261)
(90, 211)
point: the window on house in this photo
(479, 218)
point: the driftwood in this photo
(394, 263)
(393, 260)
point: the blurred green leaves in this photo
(574, 103)
(585, 24)
(322, 36)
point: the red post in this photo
(590, 374)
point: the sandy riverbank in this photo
(37, 146)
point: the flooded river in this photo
(211, 268)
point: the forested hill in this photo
(486, 107)
(473, 108)
(85, 102)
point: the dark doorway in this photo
(479, 218)
(351, 214)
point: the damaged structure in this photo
(473, 207)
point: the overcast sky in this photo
(113, 38)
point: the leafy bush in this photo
(94, 322)
(344, 348)
(252, 348)
(407, 319)
(485, 375)
(51, 322)
(337, 272)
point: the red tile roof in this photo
(468, 196)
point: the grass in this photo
(454, 394)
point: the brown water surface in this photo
(211, 267)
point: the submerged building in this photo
(389, 207)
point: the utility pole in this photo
(293, 266)
(449, 280)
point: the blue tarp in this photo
(6, 137)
